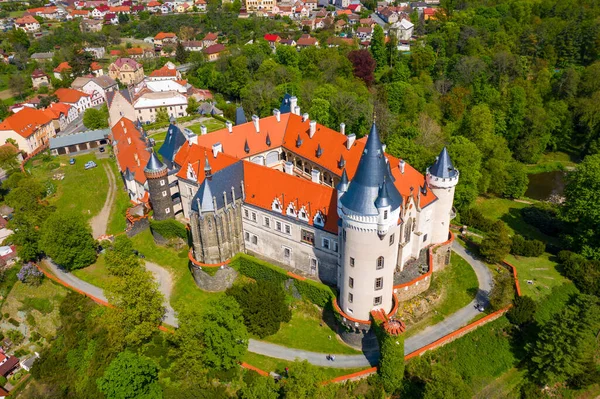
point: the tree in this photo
(8, 158)
(189, 365)
(378, 47)
(496, 245)
(467, 159)
(502, 292)
(263, 306)
(259, 388)
(67, 239)
(446, 384)
(192, 106)
(224, 334)
(94, 119)
(17, 84)
(162, 115)
(303, 382)
(522, 311)
(363, 65)
(120, 257)
(130, 375)
(517, 182)
(181, 55)
(286, 55)
(319, 111)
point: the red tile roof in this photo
(215, 48)
(164, 71)
(306, 40)
(120, 9)
(63, 66)
(132, 150)
(25, 122)
(272, 38)
(8, 365)
(165, 35)
(154, 4)
(69, 95)
(135, 51)
(211, 36)
(94, 66)
(27, 19)
(195, 156)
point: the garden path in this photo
(100, 221)
(165, 285)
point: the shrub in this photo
(30, 274)
(496, 245)
(3, 380)
(585, 273)
(522, 311)
(169, 228)
(475, 218)
(15, 336)
(544, 217)
(14, 322)
(524, 247)
(318, 294)
(35, 336)
(31, 320)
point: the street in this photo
(76, 125)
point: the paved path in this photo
(165, 285)
(100, 221)
(431, 334)
(73, 281)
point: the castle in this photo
(318, 202)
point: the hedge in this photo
(317, 293)
(169, 228)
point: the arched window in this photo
(408, 230)
(380, 263)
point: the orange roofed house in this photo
(30, 128)
(163, 39)
(318, 202)
(127, 71)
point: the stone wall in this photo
(137, 226)
(413, 289)
(222, 279)
(441, 256)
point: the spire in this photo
(383, 199)
(298, 141)
(341, 162)
(343, 184)
(246, 147)
(207, 168)
(443, 166)
(268, 139)
(319, 151)
(154, 164)
(372, 173)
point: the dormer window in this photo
(319, 220)
(276, 205)
(303, 215)
(291, 211)
(191, 174)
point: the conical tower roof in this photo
(343, 184)
(154, 165)
(372, 173)
(443, 166)
(383, 198)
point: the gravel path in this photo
(165, 285)
(100, 221)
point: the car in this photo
(479, 307)
(72, 161)
(90, 165)
(101, 149)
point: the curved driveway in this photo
(431, 334)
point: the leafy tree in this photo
(18, 84)
(303, 382)
(181, 55)
(363, 65)
(192, 106)
(224, 334)
(502, 292)
(467, 159)
(496, 245)
(130, 375)
(319, 111)
(94, 119)
(378, 47)
(120, 257)
(286, 55)
(189, 365)
(46, 101)
(522, 311)
(259, 388)
(445, 384)
(585, 273)
(162, 115)
(8, 159)
(67, 239)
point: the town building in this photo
(97, 87)
(167, 72)
(75, 98)
(27, 23)
(61, 114)
(30, 128)
(163, 39)
(214, 51)
(120, 105)
(62, 68)
(39, 79)
(403, 29)
(259, 5)
(147, 105)
(209, 39)
(127, 71)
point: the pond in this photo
(544, 185)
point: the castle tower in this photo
(442, 178)
(158, 188)
(369, 209)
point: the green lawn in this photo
(307, 331)
(9, 280)
(270, 364)
(541, 270)
(95, 274)
(81, 191)
(117, 222)
(552, 161)
(211, 125)
(457, 285)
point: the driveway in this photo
(165, 285)
(100, 221)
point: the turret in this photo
(159, 193)
(442, 178)
(341, 188)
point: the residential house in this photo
(78, 14)
(200, 5)
(388, 15)
(288, 42)
(165, 9)
(272, 39)
(310, 23)
(364, 33)
(30, 128)
(137, 9)
(120, 9)
(306, 41)
(199, 94)
(50, 12)
(213, 52)
(259, 5)
(61, 115)
(97, 87)
(342, 3)
(163, 39)
(167, 72)
(404, 29)
(353, 19)
(147, 105)
(311, 4)
(97, 52)
(91, 25)
(429, 13)
(62, 68)
(39, 78)
(75, 98)
(96, 69)
(110, 18)
(209, 39)
(368, 22)
(120, 105)
(192, 45)
(355, 7)
(100, 11)
(42, 57)
(182, 7)
(340, 24)
(127, 71)
(154, 6)
(27, 23)
(7, 364)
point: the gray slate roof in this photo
(42, 56)
(78, 138)
(111, 95)
(371, 174)
(154, 164)
(221, 181)
(173, 141)
(286, 106)
(240, 117)
(443, 166)
(105, 81)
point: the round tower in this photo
(442, 178)
(158, 188)
(369, 208)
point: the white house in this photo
(75, 98)
(147, 105)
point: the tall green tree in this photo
(467, 159)
(378, 47)
(95, 119)
(130, 376)
(303, 382)
(181, 55)
(496, 245)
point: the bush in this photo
(523, 310)
(524, 247)
(496, 245)
(30, 274)
(317, 293)
(35, 336)
(169, 228)
(31, 320)
(544, 217)
(585, 273)
(391, 362)
(14, 322)
(15, 336)
(475, 218)
(3, 380)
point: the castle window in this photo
(326, 244)
(425, 238)
(377, 301)
(313, 266)
(246, 213)
(267, 222)
(344, 234)
(168, 210)
(247, 236)
(278, 225)
(254, 216)
(350, 297)
(407, 231)
(352, 262)
(378, 283)
(191, 192)
(380, 263)
(392, 237)
(350, 311)
(335, 246)
(287, 253)
(162, 182)
(308, 237)
(385, 214)
(254, 240)
(288, 229)
(164, 193)
(350, 282)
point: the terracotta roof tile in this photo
(165, 35)
(129, 144)
(63, 66)
(25, 122)
(69, 95)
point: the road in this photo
(100, 221)
(425, 337)
(165, 285)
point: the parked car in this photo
(72, 161)
(90, 165)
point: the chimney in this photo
(277, 114)
(255, 120)
(313, 128)
(122, 124)
(315, 176)
(129, 140)
(229, 126)
(350, 141)
(304, 117)
(342, 128)
(289, 168)
(294, 105)
(203, 130)
(401, 165)
(217, 148)
(383, 147)
(125, 130)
